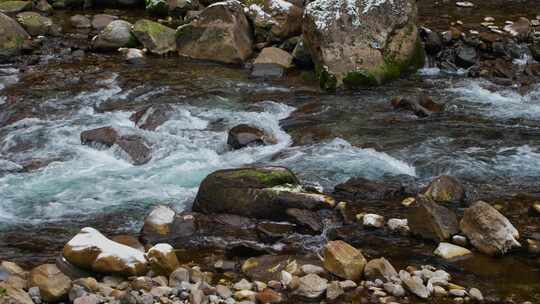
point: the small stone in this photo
(308, 268)
(394, 289)
(223, 291)
(457, 292)
(476, 295)
(245, 295)
(373, 220)
(398, 225)
(267, 295)
(88, 299)
(379, 269)
(179, 275)
(344, 260)
(465, 4)
(439, 291)
(311, 286)
(489, 19)
(460, 240)
(414, 284)
(53, 284)
(334, 290)
(243, 285)
(450, 251)
(408, 201)
(348, 284)
(286, 278)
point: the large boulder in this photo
(115, 35)
(12, 36)
(156, 37)
(91, 250)
(361, 42)
(275, 20)
(260, 192)
(430, 220)
(343, 260)
(52, 283)
(220, 33)
(35, 24)
(488, 230)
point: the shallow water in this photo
(488, 137)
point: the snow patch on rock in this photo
(161, 215)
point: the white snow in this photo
(161, 215)
(371, 4)
(227, 3)
(161, 247)
(280, 5)
(91, 239)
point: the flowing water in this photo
(488, 137)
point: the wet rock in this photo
(93, 251)
(372, 220)
(134, 149)
(242, 136)
(430, 220)
(99, 138)
(268, 295)
(158, 222)
(460, 240)
(301, 55)
(52, 283)
(162, 259)
(343, 260)
(445, 189)
(398, 225)
(432, 41)
(35, 24)
(449, 251)
(259, 192)
(71, 270)
(271, 267)
(157, 38)
(466, 56)
(414, 284)
(275, 230)
(132, 55)
(379, 269)
(80, 21)
(359, 188)
(306, 219)
(356, 49)
(101, 21)
(311, 286)
(14, 295)
(14, 7)
(229, 27)
(12, 37)
(150, 118)
(115, 35)
(272, 62)
(488, 230)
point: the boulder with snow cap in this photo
(91, 250)
(361, 42)
(162, 259)
(275, 20)
(220, 33)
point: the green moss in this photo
(270, 178)
(327, 80)
(3, 292)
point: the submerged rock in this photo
(151, 117)
(12, 37)
(272, 62)
(488, 230)
(430, 220)
(243, 135)
(367, 45)
(220, 33)
(91, 250)
(115, 35)
(259, 192)
(52, 283)
(445, 189)
(343, 260)
(157, 38)
(134, 149)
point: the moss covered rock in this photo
(35, 24)
(156, 37)
(13, 7)
(115, 35)
(264, 192)
(367, 45)
(12, 36)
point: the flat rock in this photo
(450, 251)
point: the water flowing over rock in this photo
(151, 117)
(157, 38)
(259, 192)
(115, 35)
(430, 220)
(361, 42)
(91, 250)
(12, 36)
(220, 33)
(53, 284)
(488, 230)
(343, 260)
(445, 189)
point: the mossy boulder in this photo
(259, 192)
(156, 37)
(12, 36)
(14, 7)
(368, 45)
(220, 33)
(35, 24)
(115, 35)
